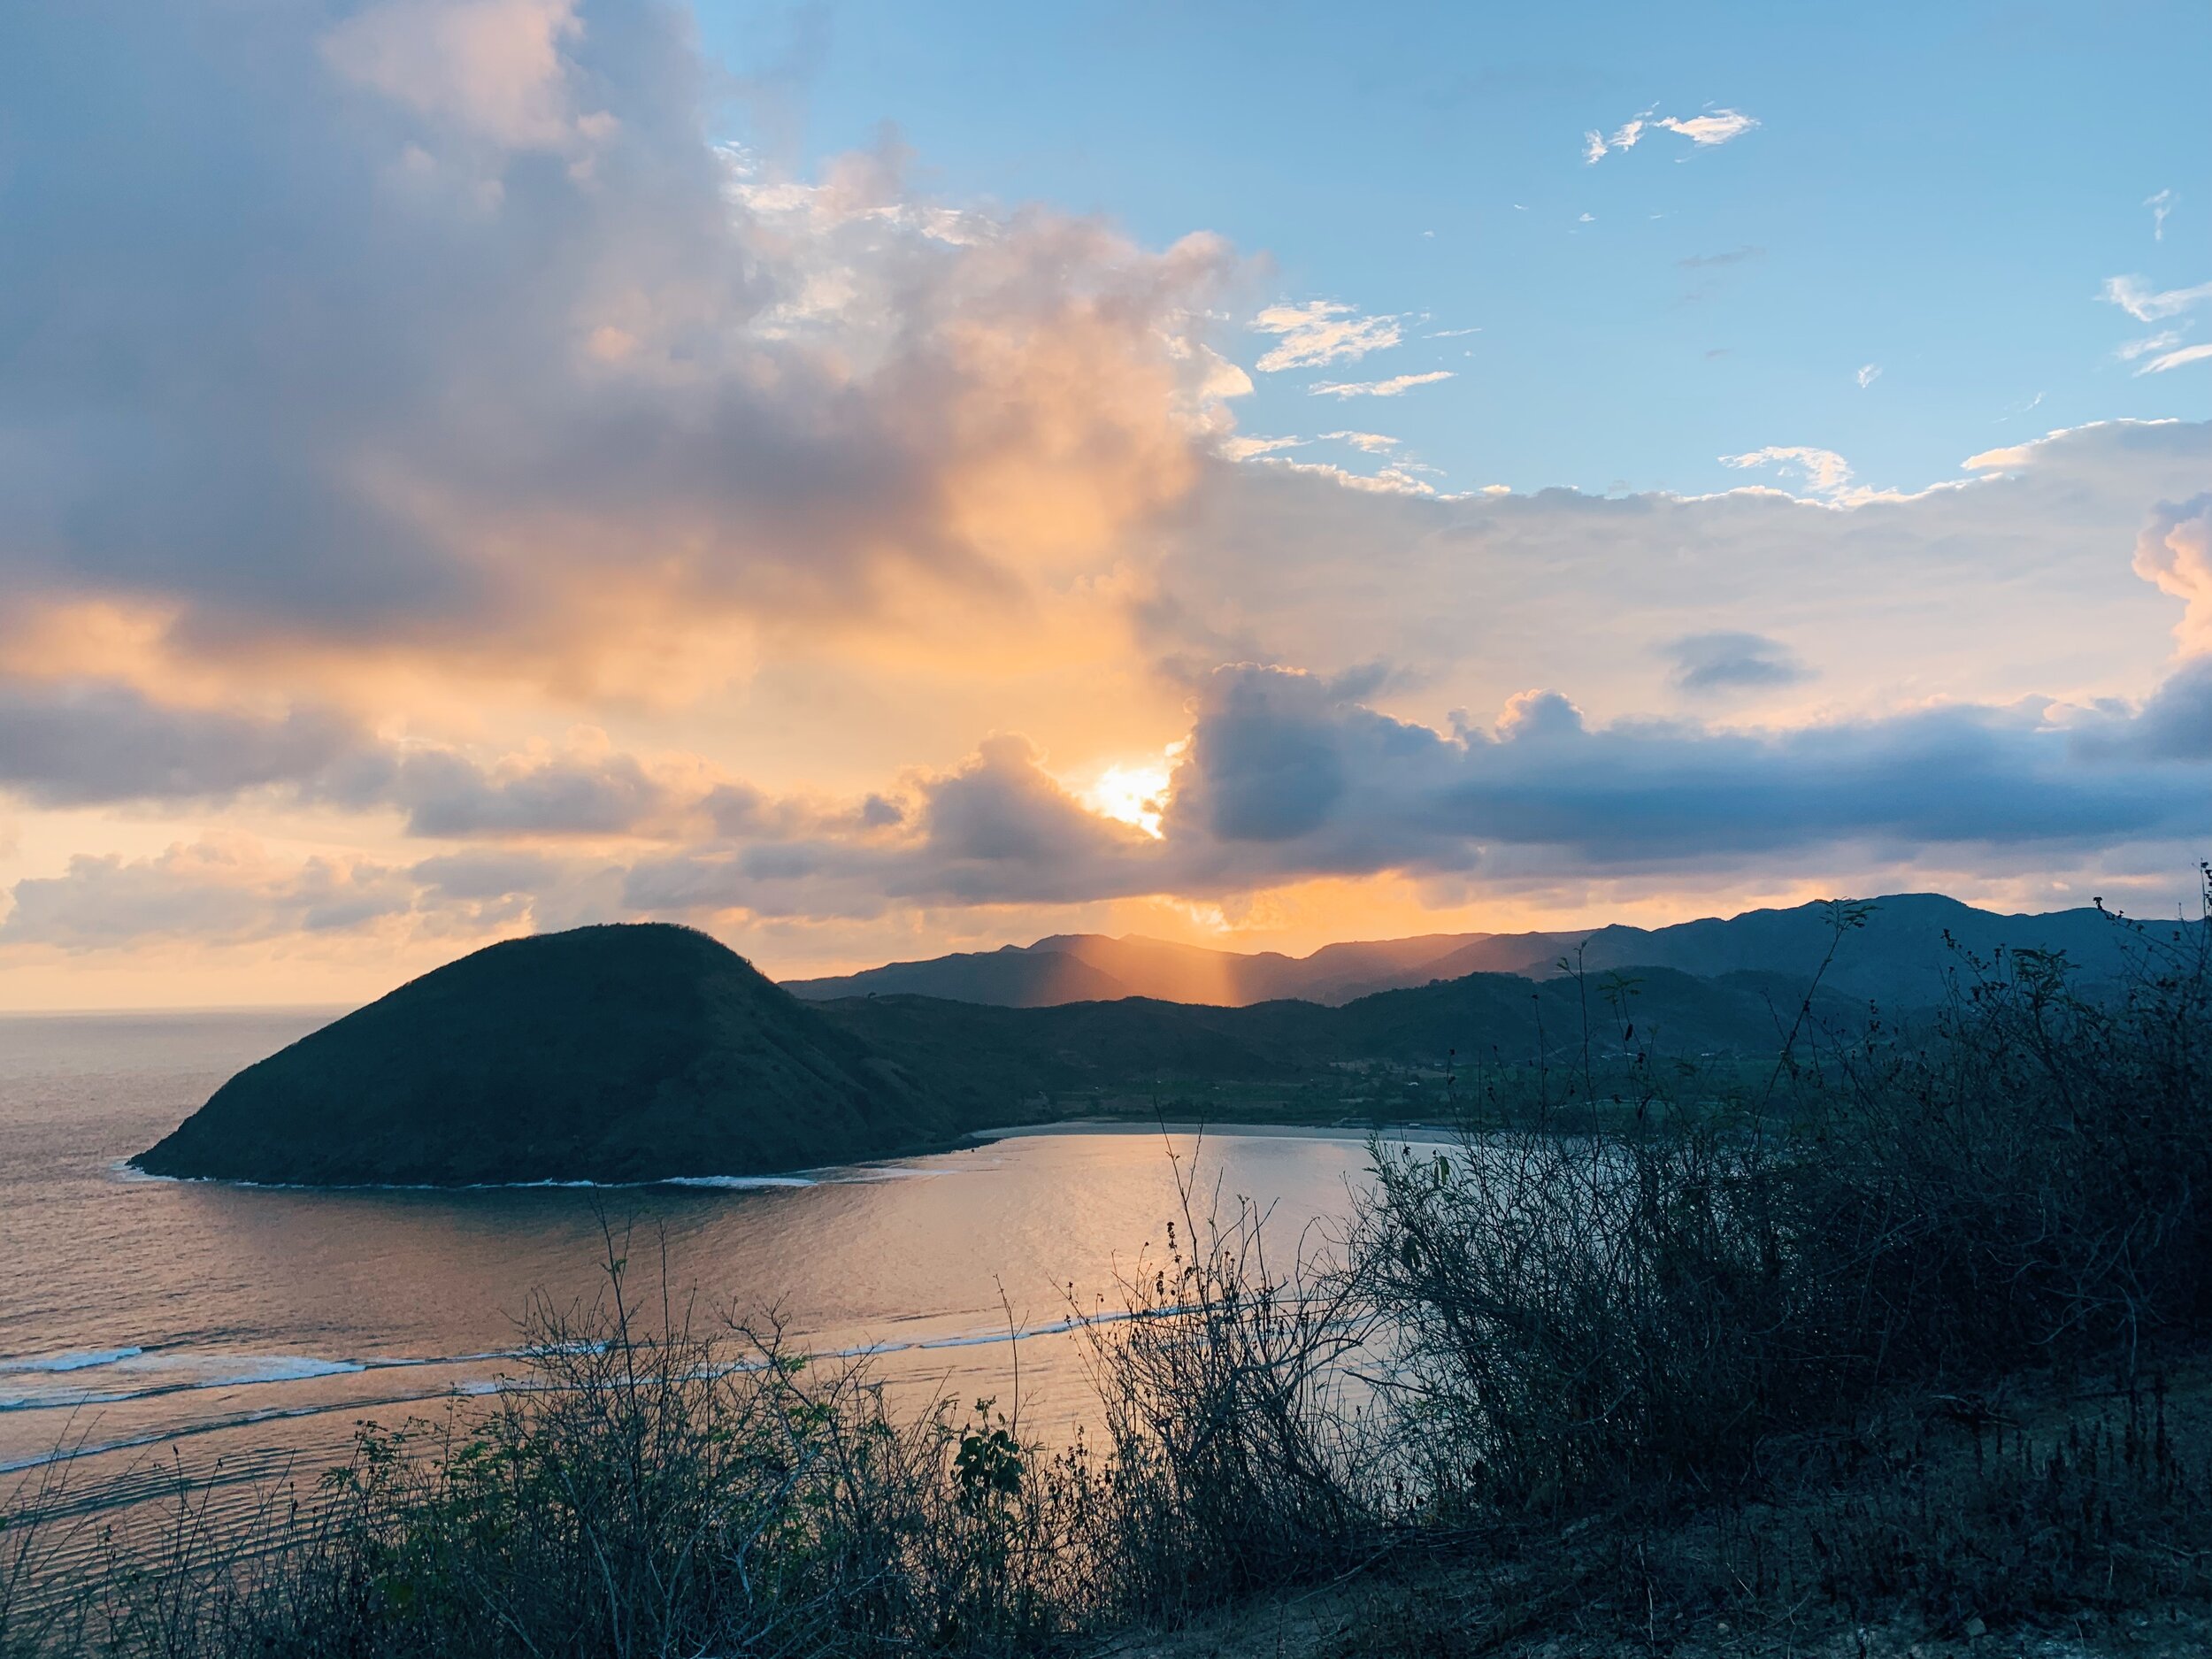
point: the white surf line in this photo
(279, 1368)
(54, 1364)
(124, 1169)
(216, 1426)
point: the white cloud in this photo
(1869, 372)
(1825, 473)
(1321, 332)
(2159, 206)
(1371, 443)
(1244, 448)
(2132, 296)
(1713, 127)
(2176, 359)
(2165, 340)
(1390, 388)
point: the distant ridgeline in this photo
(646, 1052)
(1899, 959)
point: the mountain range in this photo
(1899, 959)
(648, 1051)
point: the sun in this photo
(1132, 792)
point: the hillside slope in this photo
(610, 1054)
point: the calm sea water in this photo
(155, 1327)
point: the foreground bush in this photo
(2029, 1184)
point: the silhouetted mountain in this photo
(1087, 967)
(642, 1052)
(1899, 959)
(609, 1054)
(993, 1064)
(1016, 976)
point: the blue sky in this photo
(1940, 192)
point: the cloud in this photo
(1869, 372)
(1321, 332)
(1368, 442)
(2176, 359)
(1391, 388)
(2174, 552)
(1713, 127)
(80, 743)
(493, 67)
(1727, 661)
(2134, 297)
(2160, 204)
(222, 890)
(1241, 447)
(446, 794)
(1483, 595)
(1304, 781)
(439, 335)
(1825, 473)
(76, 743)
(2164, 340)
(2175, 722)
(1284, 776)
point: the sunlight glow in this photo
(1135, 794)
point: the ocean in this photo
(158, 1332)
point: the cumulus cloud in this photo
(74, 743)
(1480, 594)
(1285, 773)
(492, 66)
(445, 794)
(80, 743)
(1727, 661)
(1391, 388)
(223, 890)
(1321, 332)
(441, 329)
(2174, 551)
(1284, 776)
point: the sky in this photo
(871, 480)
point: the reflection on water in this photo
(255, 1325)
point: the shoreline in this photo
(126, 1171)
(1416, 1133)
